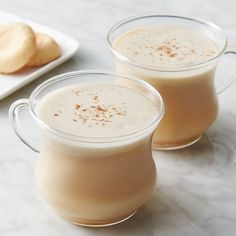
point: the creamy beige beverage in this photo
(100, 110)
(94, 182)
(157, 56)
(169, 47)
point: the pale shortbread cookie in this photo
(47, 50)
(17, 45)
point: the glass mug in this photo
(92, 181)
(189, 94)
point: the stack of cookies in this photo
(21, 47)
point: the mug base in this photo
(175, 146)
(95, 223)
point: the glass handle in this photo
(232, 77)
(14, 116)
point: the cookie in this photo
(47, 50)
(17, 45)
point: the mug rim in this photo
(125, 59)
(86, 139)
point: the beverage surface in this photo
(96, 110)
(165, 47)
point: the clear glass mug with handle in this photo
(92, 181)
(189, 93)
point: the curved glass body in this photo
(188, 92)
(94, 181)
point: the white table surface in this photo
(196, 189)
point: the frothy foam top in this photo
(96, 110)
(165, 47)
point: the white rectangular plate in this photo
(10, 83)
